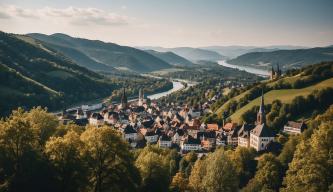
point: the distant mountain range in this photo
(171, 58)
(97, 55)
(32, 74)
(235, 51)
(286, 58)
(189, 53)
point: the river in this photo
(259, 72)
(176, 87)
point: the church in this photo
(275, 74)
(261, 135)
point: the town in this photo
(144, 122)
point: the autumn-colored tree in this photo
(312, 166)
(179, 182)
(197, 175)
(16, 137)
(268, 176)
(64, 153)
(221, 173)
(109, 160)
(43, 123)
(153, 164)
(245, 164)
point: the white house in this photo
(129, 133)
(164, 141)
(96, 119)
(294, 127)
(151, 137)
(190, 144)
(177, 137)
(244, 135)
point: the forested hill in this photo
(32, 74)
(298, 94)
(98, 55)
(171, 58)
(287, 59)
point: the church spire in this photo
(261, 117)
(124, 99)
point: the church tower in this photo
(124, 100)
(278, 72)
(141, 97)
(261, 116)
(272, 73)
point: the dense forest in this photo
(38, 154)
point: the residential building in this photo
(293, 127)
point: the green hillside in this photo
(98, 55)
(171, 58)
(284, 95)
(32, 74)
(287, 59)
(189, 53)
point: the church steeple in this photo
(272, 72)
(141, 97)
(261, 116)
(124, 100)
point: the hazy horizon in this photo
(259, 23)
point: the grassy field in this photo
(284, 95)
(291, 80)
(236, 98)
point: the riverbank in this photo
(259, 72)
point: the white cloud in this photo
(73, 15)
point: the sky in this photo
(174, 23)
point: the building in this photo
(229, 126)
(261, 135)
(293, 127)
(151, 137)
(232, 136)
(164, 141)
(244, 135)
(96, 119)
(178, 136)
(190, 144)
(129, 133)
(213, 127)
(275, 74)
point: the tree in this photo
(197, 175)
(109, 161)
(43, 123)
(154, 170)
(245, 164)
(16, 138)
(312, 166)
(179, 182)
(64, 153)
(268, 176)
(221, 173)
(23, 167)
(288, 150)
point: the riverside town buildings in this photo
(178, 127)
